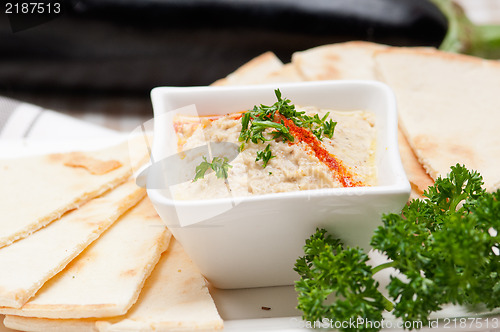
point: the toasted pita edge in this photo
(326, 59)
(433, 52)
(44, 324)
(416, 173)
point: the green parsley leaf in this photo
(329, 128)
(265, 155)
(201, 169)
(259, 126)
(219, 165)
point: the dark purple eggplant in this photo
(133, 45)
(412, 21)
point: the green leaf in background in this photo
(463, 36)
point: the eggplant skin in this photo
(419, 19)
(134, 45)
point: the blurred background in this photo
(97, 60)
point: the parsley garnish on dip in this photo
(254, 122)
(282, 147)
(287, 123)
(219, 165)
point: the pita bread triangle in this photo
(349, 60)
(174, 298)
(107, 277)
(448, 108)
(36, 190)
(32, 261)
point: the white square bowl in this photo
(254, 241)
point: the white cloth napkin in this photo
(27, 129)
(19, 120)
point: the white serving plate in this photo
(241, 309)
(254, 241)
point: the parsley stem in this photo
(388, 305)
(383, 266)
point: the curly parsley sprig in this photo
(446, 247)
(328, 269)
(256, 121)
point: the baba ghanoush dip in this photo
(280, 148)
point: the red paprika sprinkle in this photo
(336, 166)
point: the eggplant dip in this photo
(281, 148)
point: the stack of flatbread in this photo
(83, 249)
